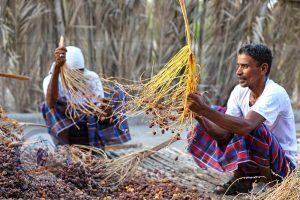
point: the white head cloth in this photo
(74, 59)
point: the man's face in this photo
(248, 72)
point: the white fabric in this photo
(95, 85)
(74, 58)
(275, 106)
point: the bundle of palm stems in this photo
(113, 172)
(164, 96)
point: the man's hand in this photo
(108, 111)
(60, 56)
(106, 116)
(196, 103)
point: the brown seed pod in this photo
(154, 113)
(172, 118)
(151, 124)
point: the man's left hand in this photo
(196, 103)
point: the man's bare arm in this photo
(52, 90)
(231, 124)
(212, 129)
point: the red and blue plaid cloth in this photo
(260, 147)
(99, 134)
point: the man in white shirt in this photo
(256, 134)
(86, 129)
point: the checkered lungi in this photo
(98, 134)
(260, 147)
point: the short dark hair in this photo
(259, 52)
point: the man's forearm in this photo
(52, 90)
(212, 129)
(229, 123)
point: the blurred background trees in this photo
(130, 38)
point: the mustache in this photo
(241, 77)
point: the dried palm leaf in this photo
(113, 172)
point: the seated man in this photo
(87, 129)
(256, 134)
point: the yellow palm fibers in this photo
(171, 86)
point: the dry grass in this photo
(289, 188)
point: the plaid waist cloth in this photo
(99, 134)
(259, 147)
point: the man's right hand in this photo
(52, 91)
(60, 56)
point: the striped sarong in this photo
(260, 147)
(99, 134)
